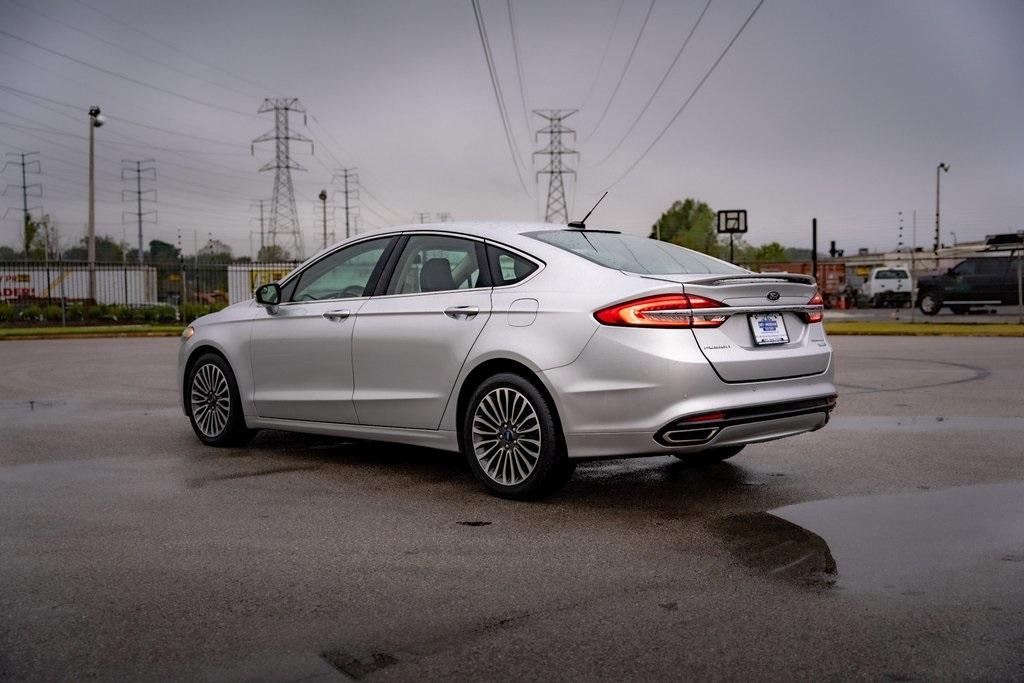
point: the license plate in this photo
(768, 328)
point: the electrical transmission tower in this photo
(34, 190)
(283, 228)
(556, 211)
(350, 193)
(139, 171)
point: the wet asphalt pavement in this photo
(889, 545)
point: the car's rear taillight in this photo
(815, 316)
(666, 310)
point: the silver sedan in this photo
(527, 347)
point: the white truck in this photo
(888, 286)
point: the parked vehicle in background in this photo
(886, 287)
(982, 281)
(526, 347)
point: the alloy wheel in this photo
(506, 436)
(210, 398)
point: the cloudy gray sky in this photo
(839, 110)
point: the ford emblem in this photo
(773, 295)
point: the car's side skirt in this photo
(429, 438)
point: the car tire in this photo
(512, 440)
(930, 304)
(213, 404)
(876, 301)
(710, 456)
(960, 310)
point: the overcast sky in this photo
(839, 110)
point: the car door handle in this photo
(461, 312)
(337, 316)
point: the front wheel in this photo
(710, 456)
(511, 439)
(214, 408)
(930, 304)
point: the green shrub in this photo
(31, 312)
(164, 313)
(75, 311)
(52, 313)
(7, 312)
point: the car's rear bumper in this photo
(620, 444)
(627, 387)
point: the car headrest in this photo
(436, 275)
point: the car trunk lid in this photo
(731, 349)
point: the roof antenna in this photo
(582, 225)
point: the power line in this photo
(496, 86)
(155, 39)
(129, 79)
(622, 75)
(664, 78)
(604, 55)
(519, 64)
(690, 98)
(118, 46)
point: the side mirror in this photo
(951, 272)
(269, 295)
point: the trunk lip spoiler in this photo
(736, 279)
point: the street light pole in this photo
(323, 202)
(95, 121)
(943, 167)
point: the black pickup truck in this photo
(983, 281)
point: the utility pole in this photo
(135, 170)
(284, 216)
(27, 190)
(421, 216)
(941, 168)
(814, 248)
(323, 203)
(556, 210)
(913, 265)
(350, 182)
(444, 217)
(96, 120)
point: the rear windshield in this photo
(891, 275)
(634, 254)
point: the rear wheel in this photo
(710, 456)
(960, 310)
(214, 409)
(929, 303)
(511, 439)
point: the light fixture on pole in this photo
(95, 121)
(941, 168)
(323, 202)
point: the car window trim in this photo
(393, 239)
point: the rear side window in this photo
(437, 263)
(508, 268)
(634, 254)
(891, 275)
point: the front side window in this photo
(966, 268)
(436, 263)
(508, 268)
(634, 254)
(342, 275)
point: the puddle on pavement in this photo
(908, 543)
